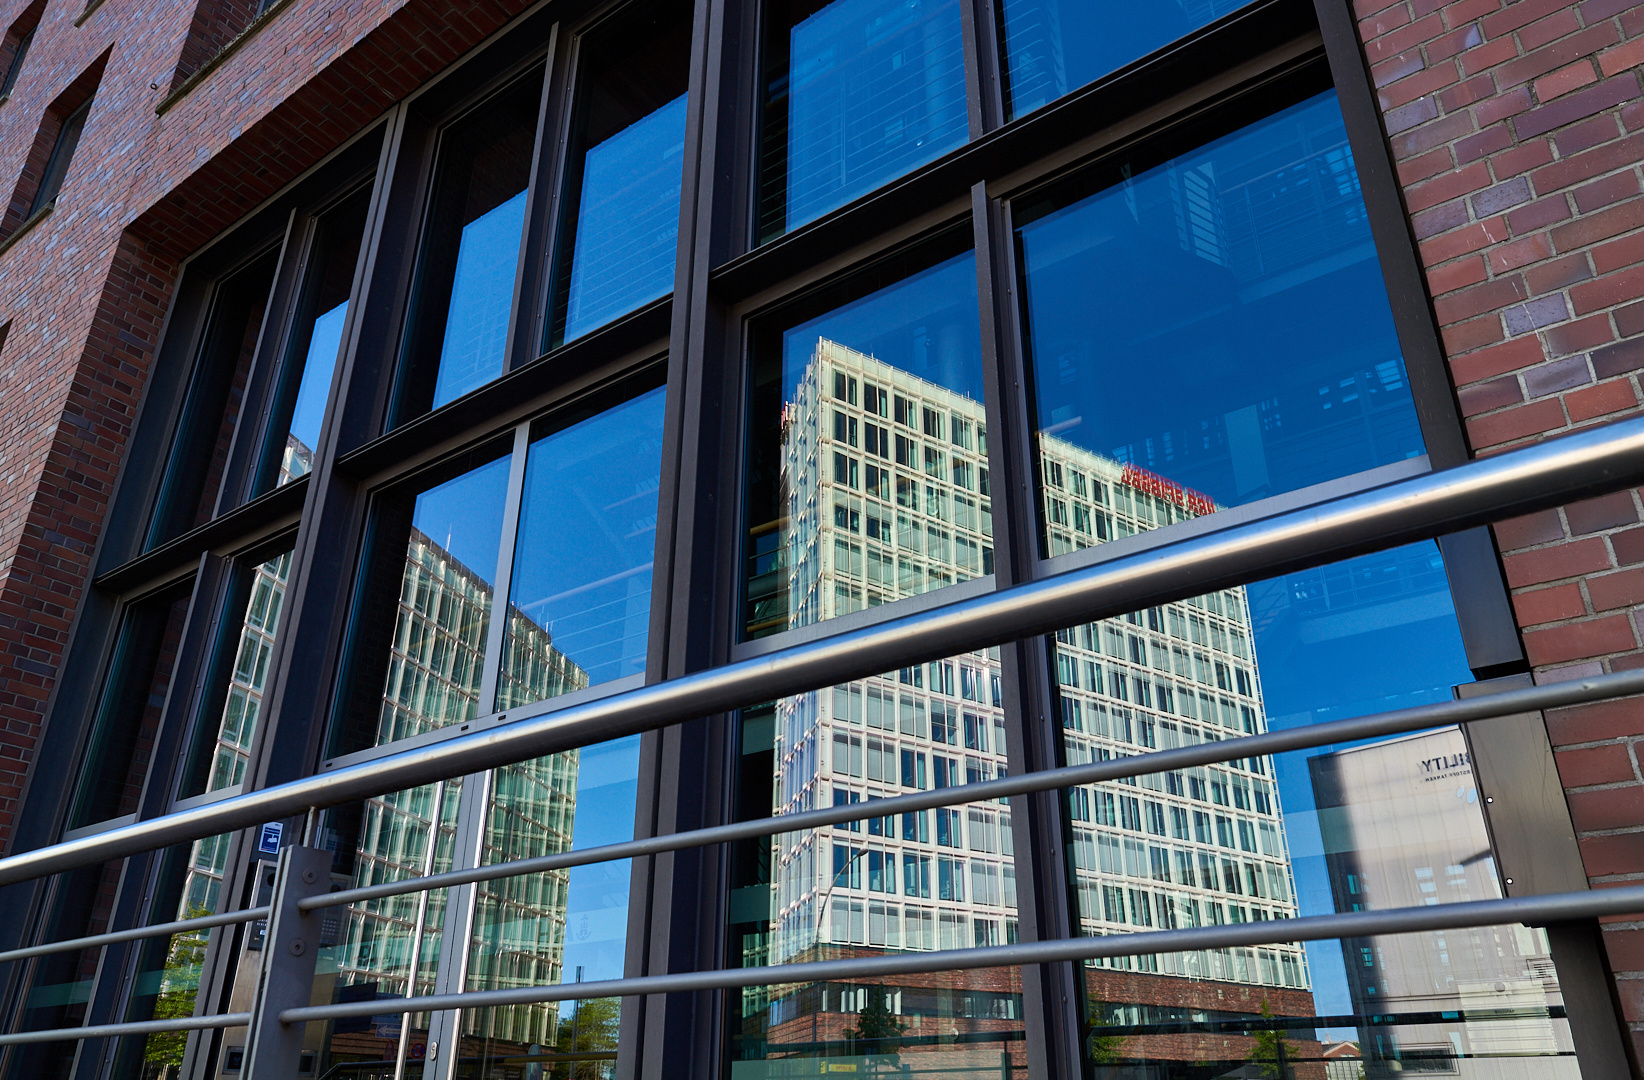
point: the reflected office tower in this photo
(297, 459)
(434, 676)
(241, 710)
(1401, 828)
(887, 495)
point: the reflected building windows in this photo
(457, 339)
(855, 93)
(579, 570)
(867, 476)
(1054, 46)
(920, 881)
(617, 250)
(425, 618)
(1216, 323)
(231, 714)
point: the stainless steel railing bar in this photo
(1537, 910)
(1546, 474)
(181, 926)
(142, 1027)
(1439, 714)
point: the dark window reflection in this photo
(134, 697)
(1215, 324)
(239, 674)
(418, 656)
(57, 989)
(465, 285)
(856, 93)
(315, 345)
(216, 396)
(868, 471)
(1053, 46)
(624, 173)
(580, 599)
(1392, 822)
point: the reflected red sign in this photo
(1154, 484)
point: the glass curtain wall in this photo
(1208, 329)
(1391, 822)
(868, 483)
(575, 559)
(136, 690)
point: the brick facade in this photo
(1518, 132)
(1517, 129)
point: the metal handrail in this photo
(1397, 721)
(135, 1027)
(181, 926)
(1516, 482)
(1535, 910)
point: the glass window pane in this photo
(228, 345)
(936, 879)
(315, 346)
(389, 948)
(580, 600)
(556, 927)
(1392, 822)
(867, 478)
(169, 969)
(857, 93)
(58, 987)
(476, 218)
(1053, 46)
(418, 651)
(239, 672)
(1498, 1030)
(1213, 328)
(624, 172)
(134, 698)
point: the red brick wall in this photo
(1518, 132)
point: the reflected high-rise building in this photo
(1402, 828)
(888, 495)
(390, 948)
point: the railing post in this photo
(286, 981)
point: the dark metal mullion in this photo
(982, 19)
(693, 622)
(532, 274)
(1395, 244)
(1050, 992)
(1483, 608)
